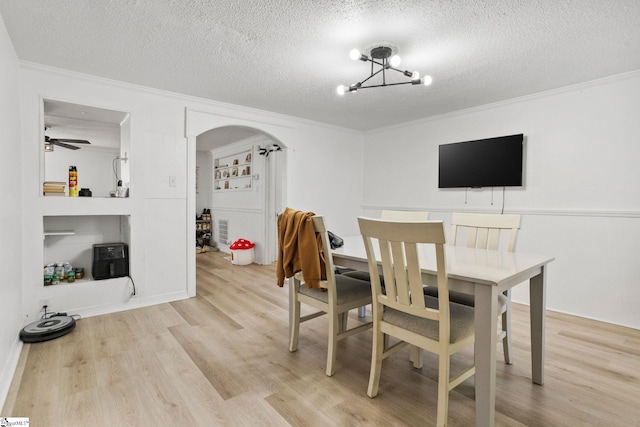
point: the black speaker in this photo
(110, 260)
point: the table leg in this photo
(537, 306)
(486, 309)
(362, 311)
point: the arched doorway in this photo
(268, 145)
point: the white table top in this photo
(464, 264)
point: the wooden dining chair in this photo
(338, 294)
(486, 231)
(404, 312)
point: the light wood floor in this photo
(221, 359)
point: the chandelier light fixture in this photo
(384, 57)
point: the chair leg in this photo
(443, 390)
(294, 325)
(376, 361)
(342, 321)
(333, 340)
(506, 327)
(417, 357)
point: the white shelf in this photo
(59, 233)
(75, 206)
(231, 169)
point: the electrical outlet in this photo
(45, 301)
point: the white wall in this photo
(579, 201)
(10, 213)
(95, 168)
(325, 171)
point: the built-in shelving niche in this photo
(101, 163)
(72, 225)
(71, 238)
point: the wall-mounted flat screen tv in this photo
(492, 162)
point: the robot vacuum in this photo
(47, 329)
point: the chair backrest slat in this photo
(414, 275)
(397, 263)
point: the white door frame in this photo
(273, 203)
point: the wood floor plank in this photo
(197, 311)
(218, 361)
(222, 358)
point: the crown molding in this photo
(205, 105)
(520, 99)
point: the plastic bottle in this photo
(73, 181)
(60, 270)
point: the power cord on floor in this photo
(133, 294)
(49, 315)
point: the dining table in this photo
(484, 274)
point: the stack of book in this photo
(53, 188)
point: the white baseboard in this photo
(9, 370)
(133, 303)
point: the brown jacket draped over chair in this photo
(299, 248)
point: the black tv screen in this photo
(492, 162)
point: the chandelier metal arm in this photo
(384, 65)
(405, 72)
(385, 84)
(372, 75)
(383, 57)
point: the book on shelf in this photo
(53, 187)
(54, 194)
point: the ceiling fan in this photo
(62, 142)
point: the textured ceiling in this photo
(288, 56)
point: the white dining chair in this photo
(337, 295)
(486, 231)
(404, 312)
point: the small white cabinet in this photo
(234, 172)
